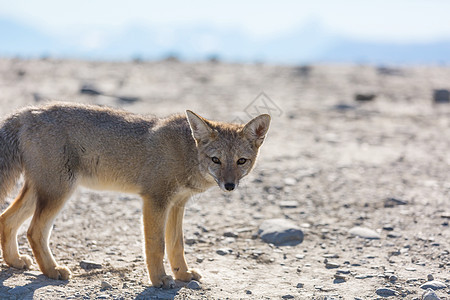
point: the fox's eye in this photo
(241, 161)
(215, 160)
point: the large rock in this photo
(430, 295)
(434, 284)
(280, 232)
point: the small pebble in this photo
(388, 227)
(230, 234)
(364, 276)
(194, 285)
(224, 251)
(331, 255)
(364, 232)
(300, 285)
(89, 265)
(331, 265)
(290, 181)
(340, 276)
(105, 285)
(288, 204)
(410, 269)
(393, 278)
(300, 256)
(200, 259)
(385, 292)
(248, 292)
(430, 277)
(288, 296)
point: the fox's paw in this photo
(21, 262)
(59, 273)
(165, 281)
(188, 276)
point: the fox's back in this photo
(102, 146)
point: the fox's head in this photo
(227, 151)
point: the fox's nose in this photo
(229, 186)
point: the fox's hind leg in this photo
(10, 220)
(47, 207)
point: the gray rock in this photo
(430, 277)
(89, 265)
(224, 251)
(385, 292)
(105, 285)
(18, 290)
(300, 285)
(340, 276)
(391, 202)
(248, 292)
(434, 284)
(364, 233)
(194, 285)
(288, 204)
(365, 97)
(430, 295)
(288, 296)
(280, 232)
(441, 96)
(230, 234)
(332, 265)
(393, 278)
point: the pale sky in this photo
(380, 20)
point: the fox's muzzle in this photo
(229, 186)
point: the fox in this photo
(59, 146)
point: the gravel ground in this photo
(364, 183)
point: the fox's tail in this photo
(10, 156)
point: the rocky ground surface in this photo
(355, 171)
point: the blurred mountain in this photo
(309, 44)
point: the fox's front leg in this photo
(175, 245)
(154, 226)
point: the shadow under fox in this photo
(60, 146)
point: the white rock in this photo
(290, 181)
(434, 284)
(364, 233)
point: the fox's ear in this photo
(199, 127)
(255, 130)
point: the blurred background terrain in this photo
(286, 31)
